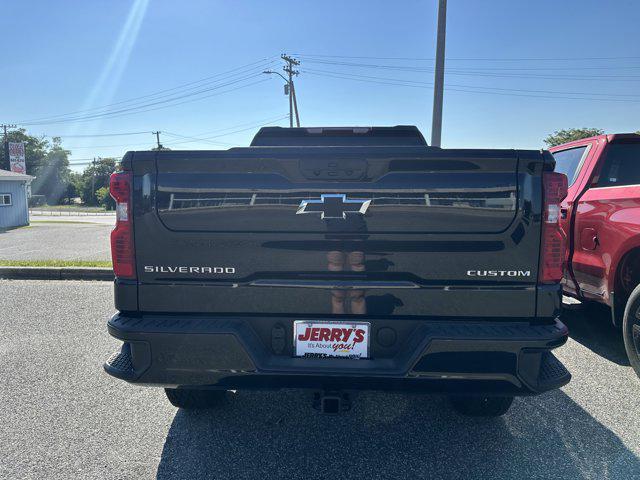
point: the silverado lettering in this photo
(170, 269)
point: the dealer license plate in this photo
(331, 339)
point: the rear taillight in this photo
(122, 250)
(552, 252)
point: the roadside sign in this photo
(17, 157)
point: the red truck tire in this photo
(631, 329)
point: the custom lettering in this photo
(498, 273)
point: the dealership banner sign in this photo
(17, 157)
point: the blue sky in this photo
(504, 58)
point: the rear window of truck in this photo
(621, 165)
(568, 162)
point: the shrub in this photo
(104, 199)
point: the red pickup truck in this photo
(600, 217)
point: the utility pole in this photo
(6, 143)
(438, 84)
(157, 134)
(289, 88)
(4, 127)
(293, 103)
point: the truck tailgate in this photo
(332, 231)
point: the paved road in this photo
(63, 418)
(57, 241)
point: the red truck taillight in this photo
(122, 250)
(552, 252)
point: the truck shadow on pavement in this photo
(592, 328)
(279, 435)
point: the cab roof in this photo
(401, 135)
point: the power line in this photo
(238, 71)
(245, 124)
(609, 78)
(108, 146)
(546, 68)
(465, 88)
(468, 89)
(262, 124)
(127, 109)
(139, 103)
(207, 139)
(490, 59)
(119, 134)
(195, 99)
(460, 70)
(249, 124)
(192, 139)
(480, 72)
(136, 110)
(429, 84)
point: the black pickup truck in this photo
(336, 260)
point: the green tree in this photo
(94, 177)
(104, 198)
(74, 187)
(569, 135)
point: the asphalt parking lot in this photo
(55, 239)
(64, 418)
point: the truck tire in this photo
(631, 329)
(196, 399)
(479, 406)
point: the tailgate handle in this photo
(332, 284)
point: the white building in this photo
(14, 193)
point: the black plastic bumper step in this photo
(120, 364)
(552, 371)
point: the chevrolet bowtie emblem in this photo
(334, 206)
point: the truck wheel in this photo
(195, 399)
(631, 329)
(479, 406)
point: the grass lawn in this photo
(56, 263)
(72, 222)
(70, 208)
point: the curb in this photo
(56, 273)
